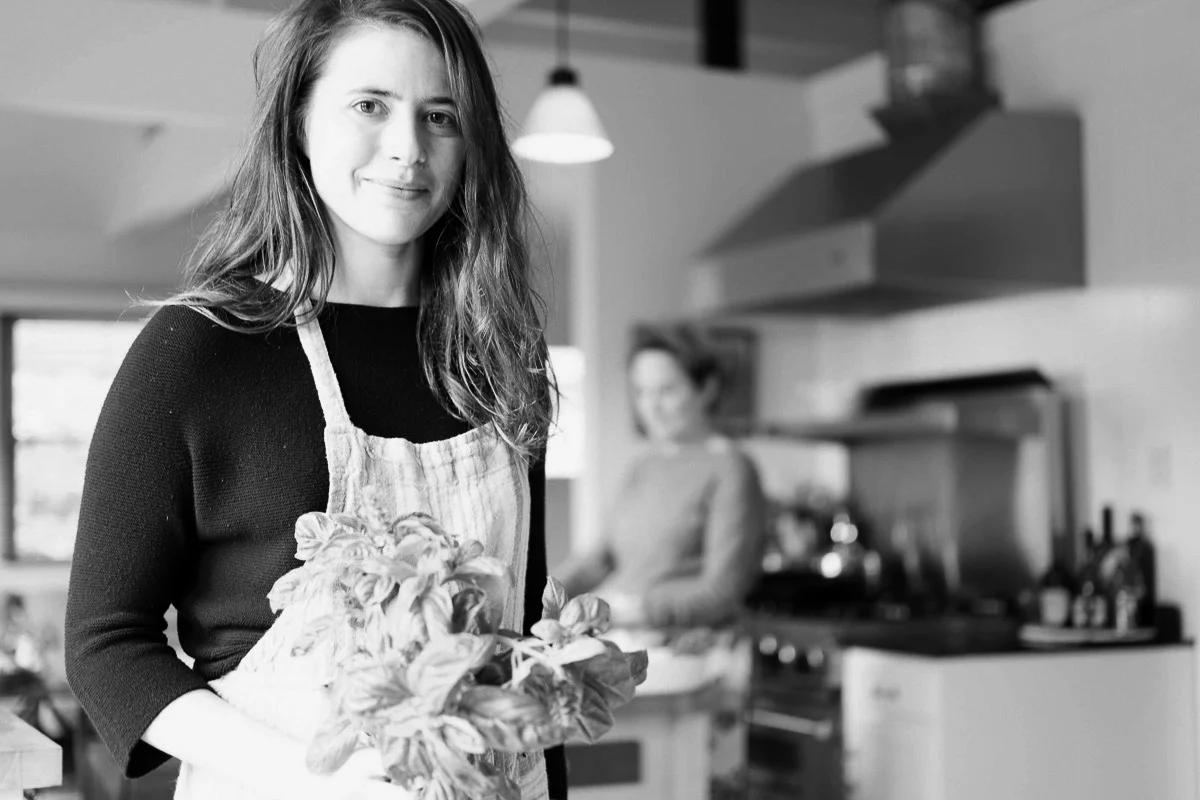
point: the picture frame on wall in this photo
(736, 350)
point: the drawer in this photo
(875, 684)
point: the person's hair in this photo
(269, 254)
(690, 348)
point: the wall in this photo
(693, 148)
(1124, 347)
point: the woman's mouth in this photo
(398, 189)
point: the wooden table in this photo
(28, 759)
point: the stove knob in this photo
(815, 657)
(767, 645)
(787, 654)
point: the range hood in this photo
(988, 208)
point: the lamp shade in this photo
(562, 126)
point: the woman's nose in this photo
(402, 140)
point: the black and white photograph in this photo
(599, 399)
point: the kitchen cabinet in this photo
(1078, 725)
(657, 749)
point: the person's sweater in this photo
(208, 448)
(684, 535)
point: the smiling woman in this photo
(382, 135)
(359, 316)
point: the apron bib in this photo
(471, 483)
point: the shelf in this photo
(927, 420)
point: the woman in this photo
(682, 545)
(360, 314)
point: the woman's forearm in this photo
(583, 572)
(207, 732)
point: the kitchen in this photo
(1119, 346)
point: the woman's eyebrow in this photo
(386, 93)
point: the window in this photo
(564, 451)
(57, 374)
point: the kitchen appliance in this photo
(966, 200)
(794, 713)
(962, 481)
(793, 718)
(990, 208)
(959, 485)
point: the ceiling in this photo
(787, 37)
(95, 144)
(784, 37)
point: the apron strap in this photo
(328, 391)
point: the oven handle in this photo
(820, 729)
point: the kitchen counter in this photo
(658, 749)
(934, 636)
(1071, 725)
(28, 760)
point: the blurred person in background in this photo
(682, 544)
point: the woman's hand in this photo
(626, 610)
(363, 777)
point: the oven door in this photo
(794, 754)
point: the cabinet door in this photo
(890, 758)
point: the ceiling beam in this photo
(179, 169)
(721, 33)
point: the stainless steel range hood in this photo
(993, 207)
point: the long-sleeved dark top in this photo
(208, 448)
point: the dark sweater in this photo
(208, 448)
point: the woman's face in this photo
(667, 403)
(382, 135)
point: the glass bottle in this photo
(1055, 591)
(1087, 585)
(1141, 550)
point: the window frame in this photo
(9, 557)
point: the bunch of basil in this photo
(422, 669)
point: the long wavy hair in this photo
(269, 255)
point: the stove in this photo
(794, 710)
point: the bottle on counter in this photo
(1127, 570)
(1055, 591)
(1141, 550)
(1089, 609)
(1106, 560)
(1127, 591)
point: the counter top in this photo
(937, 636)
(28, 759)
(698, 700)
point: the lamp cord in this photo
(562, 33)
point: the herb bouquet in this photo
(422, 669)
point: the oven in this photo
(794, 746)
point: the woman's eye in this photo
(368, 107)
(442, 119)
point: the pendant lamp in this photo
(562, 126)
